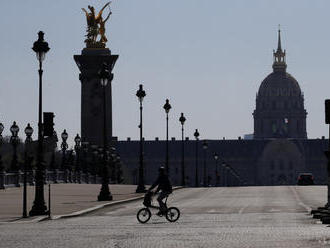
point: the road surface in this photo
(210, 217)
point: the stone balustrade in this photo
(15, 179)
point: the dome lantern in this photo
(279, 63)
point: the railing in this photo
(15, 179)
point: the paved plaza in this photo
(65, 199)
(210, 217)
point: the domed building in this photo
(277, 154)
(280, 111)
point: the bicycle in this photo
(172, 214)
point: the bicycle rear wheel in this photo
(172, 214)
(143, 215)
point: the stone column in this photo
(89, 63)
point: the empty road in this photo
(210, 217)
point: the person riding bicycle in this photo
(164, 185)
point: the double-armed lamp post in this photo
(39, 207)
(141, 188)
(167, 108)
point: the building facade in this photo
(277, 153)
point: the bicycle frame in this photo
(157, 207)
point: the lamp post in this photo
(28, 131)
(141, 188)
(39, 207)
(216, 157)
(77, 141)
(196, 134)
(105, 194)
(64, 147)
(205, 146)
(167, 107)
(1, 166)
(14, 129)
(182, 119)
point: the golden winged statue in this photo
(96, 27)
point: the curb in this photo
(92, 209)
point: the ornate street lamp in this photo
(167, 108)
(28, 132)
(1, 130)
(205, 146)
(39, 207)
(77, 141)
(182, 119)
(105, 194)
(14, 129)
(64, 147)
(141, 188)
(216, 157)
(196, 134)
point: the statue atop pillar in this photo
(96, 27)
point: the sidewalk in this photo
(65, 199)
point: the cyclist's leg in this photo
(160, 198)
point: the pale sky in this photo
(208, 57)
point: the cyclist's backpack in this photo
(169, 187)
(147, 199)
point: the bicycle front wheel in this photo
(172, 214)
(143, 215)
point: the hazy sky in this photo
(208, 57)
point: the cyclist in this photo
(164, 185)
